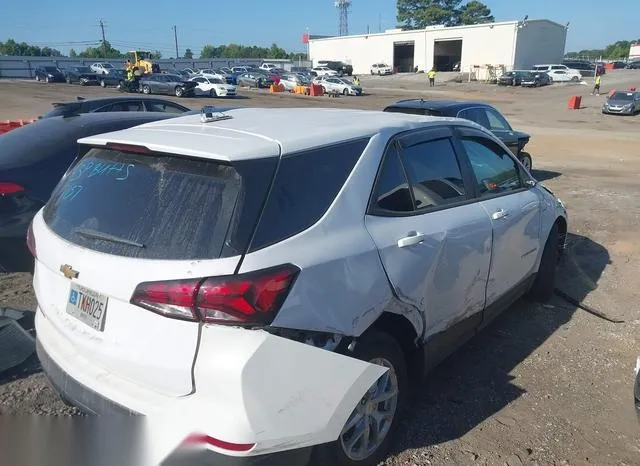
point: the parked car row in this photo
(524, 78)
(539, 75)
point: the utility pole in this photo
(104, 41)
(379, 22)
(175, 36)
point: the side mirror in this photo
(531, 183)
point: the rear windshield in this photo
(152, 206)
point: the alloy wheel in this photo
(370, 422)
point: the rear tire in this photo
(69, 80)
(545, 282)
(102, 83)
(373, 345)
(46, 79)
(525, 159)
(146, 89)
(213, 93)
(178, 91)
(38, 79)
(345, 91)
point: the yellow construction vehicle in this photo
(142, 64)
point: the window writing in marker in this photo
(91, 169)
(71, 192)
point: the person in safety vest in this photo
(432, 77)
(596, 87)
(356, 81)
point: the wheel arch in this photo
(562, 225)
(407, 335)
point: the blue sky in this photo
(138, 24)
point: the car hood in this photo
(618, 103)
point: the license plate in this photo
(88, 306)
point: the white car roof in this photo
(259, 132)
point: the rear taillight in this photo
(31, 241)
(246, 299)
(9, 188)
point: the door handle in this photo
(498, 214)
(412, 238)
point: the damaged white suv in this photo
(279, 273)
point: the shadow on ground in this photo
(474, 383)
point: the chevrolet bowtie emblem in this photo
(68, 271)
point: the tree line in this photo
(419, 14)
(106, 50)
(617, 50)
(22, 49)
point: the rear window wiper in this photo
(106, 237)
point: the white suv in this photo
(102, 68)
(381, 69)
(270, 281)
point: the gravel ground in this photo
(544, 385)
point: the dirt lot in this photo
(544, 384)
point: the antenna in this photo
(343, 7)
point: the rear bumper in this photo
(299, 457)
(92, 403)
(241, 398)
(75, 393)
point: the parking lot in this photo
(544, 384)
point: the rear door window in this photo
(149, 206)
(392, 192)
(434, 173)
(305, 186)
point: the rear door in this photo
(434, 240)
(119, 219)
(512, 206)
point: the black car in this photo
(115, 104)
(535, 79)
(341, 67)
(80, 74)
(479, 112)
(254, 79)
(511, 78)
(633, 65)
(49, 74)
(114, 78)
(586, 68)
(32, 161)
(165, 83)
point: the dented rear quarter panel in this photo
(342, 287)
(255, 387)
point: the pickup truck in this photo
(340, 67)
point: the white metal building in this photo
(634, 52)
(512, 44)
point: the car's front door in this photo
(434, 240)
(514, 210)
